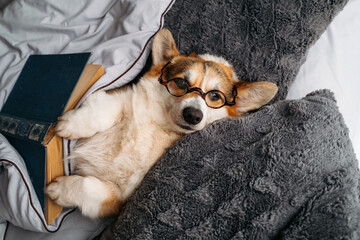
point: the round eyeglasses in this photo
(179, 87)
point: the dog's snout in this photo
(192, 115)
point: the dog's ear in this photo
(253, 95)
(163, 47)
(193, 54)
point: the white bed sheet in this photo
(334, 63)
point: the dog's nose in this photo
(192, 115)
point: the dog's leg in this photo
(98, 113)
(94, 197)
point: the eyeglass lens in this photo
(179, 87)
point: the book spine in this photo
(23, 128)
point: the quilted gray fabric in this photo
(287, 171)
(265, 40)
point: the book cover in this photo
(48, 85)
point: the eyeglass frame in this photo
(196, 89)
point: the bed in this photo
(300, 177)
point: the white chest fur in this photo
(137, 138)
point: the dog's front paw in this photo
(58, 192)
(65, 127)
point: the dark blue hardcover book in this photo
(29, 114)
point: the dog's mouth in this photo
(186, 127)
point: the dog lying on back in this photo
(123, 132)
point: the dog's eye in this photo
(215, 99)
(180, 83)
(177, 87)
(214, 96)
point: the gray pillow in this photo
(287, 171)
(264, 40)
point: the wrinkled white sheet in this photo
(117, 32)
(106, 28)
(334, 63)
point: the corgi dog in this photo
(123, 132)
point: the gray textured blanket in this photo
(287, 171)
(264, 40)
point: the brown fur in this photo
(123, 132)
(111, 204)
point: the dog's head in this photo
(199, 89)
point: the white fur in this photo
(97, 114)
(87, 193)
(195, 102)
(214, 58)
(126, 141)
(125, 132)
(122, 134)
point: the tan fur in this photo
(164, 47)
(253, 95)
(123, 132)
(110, 205)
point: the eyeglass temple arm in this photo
(233, 101)
(161, 73)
